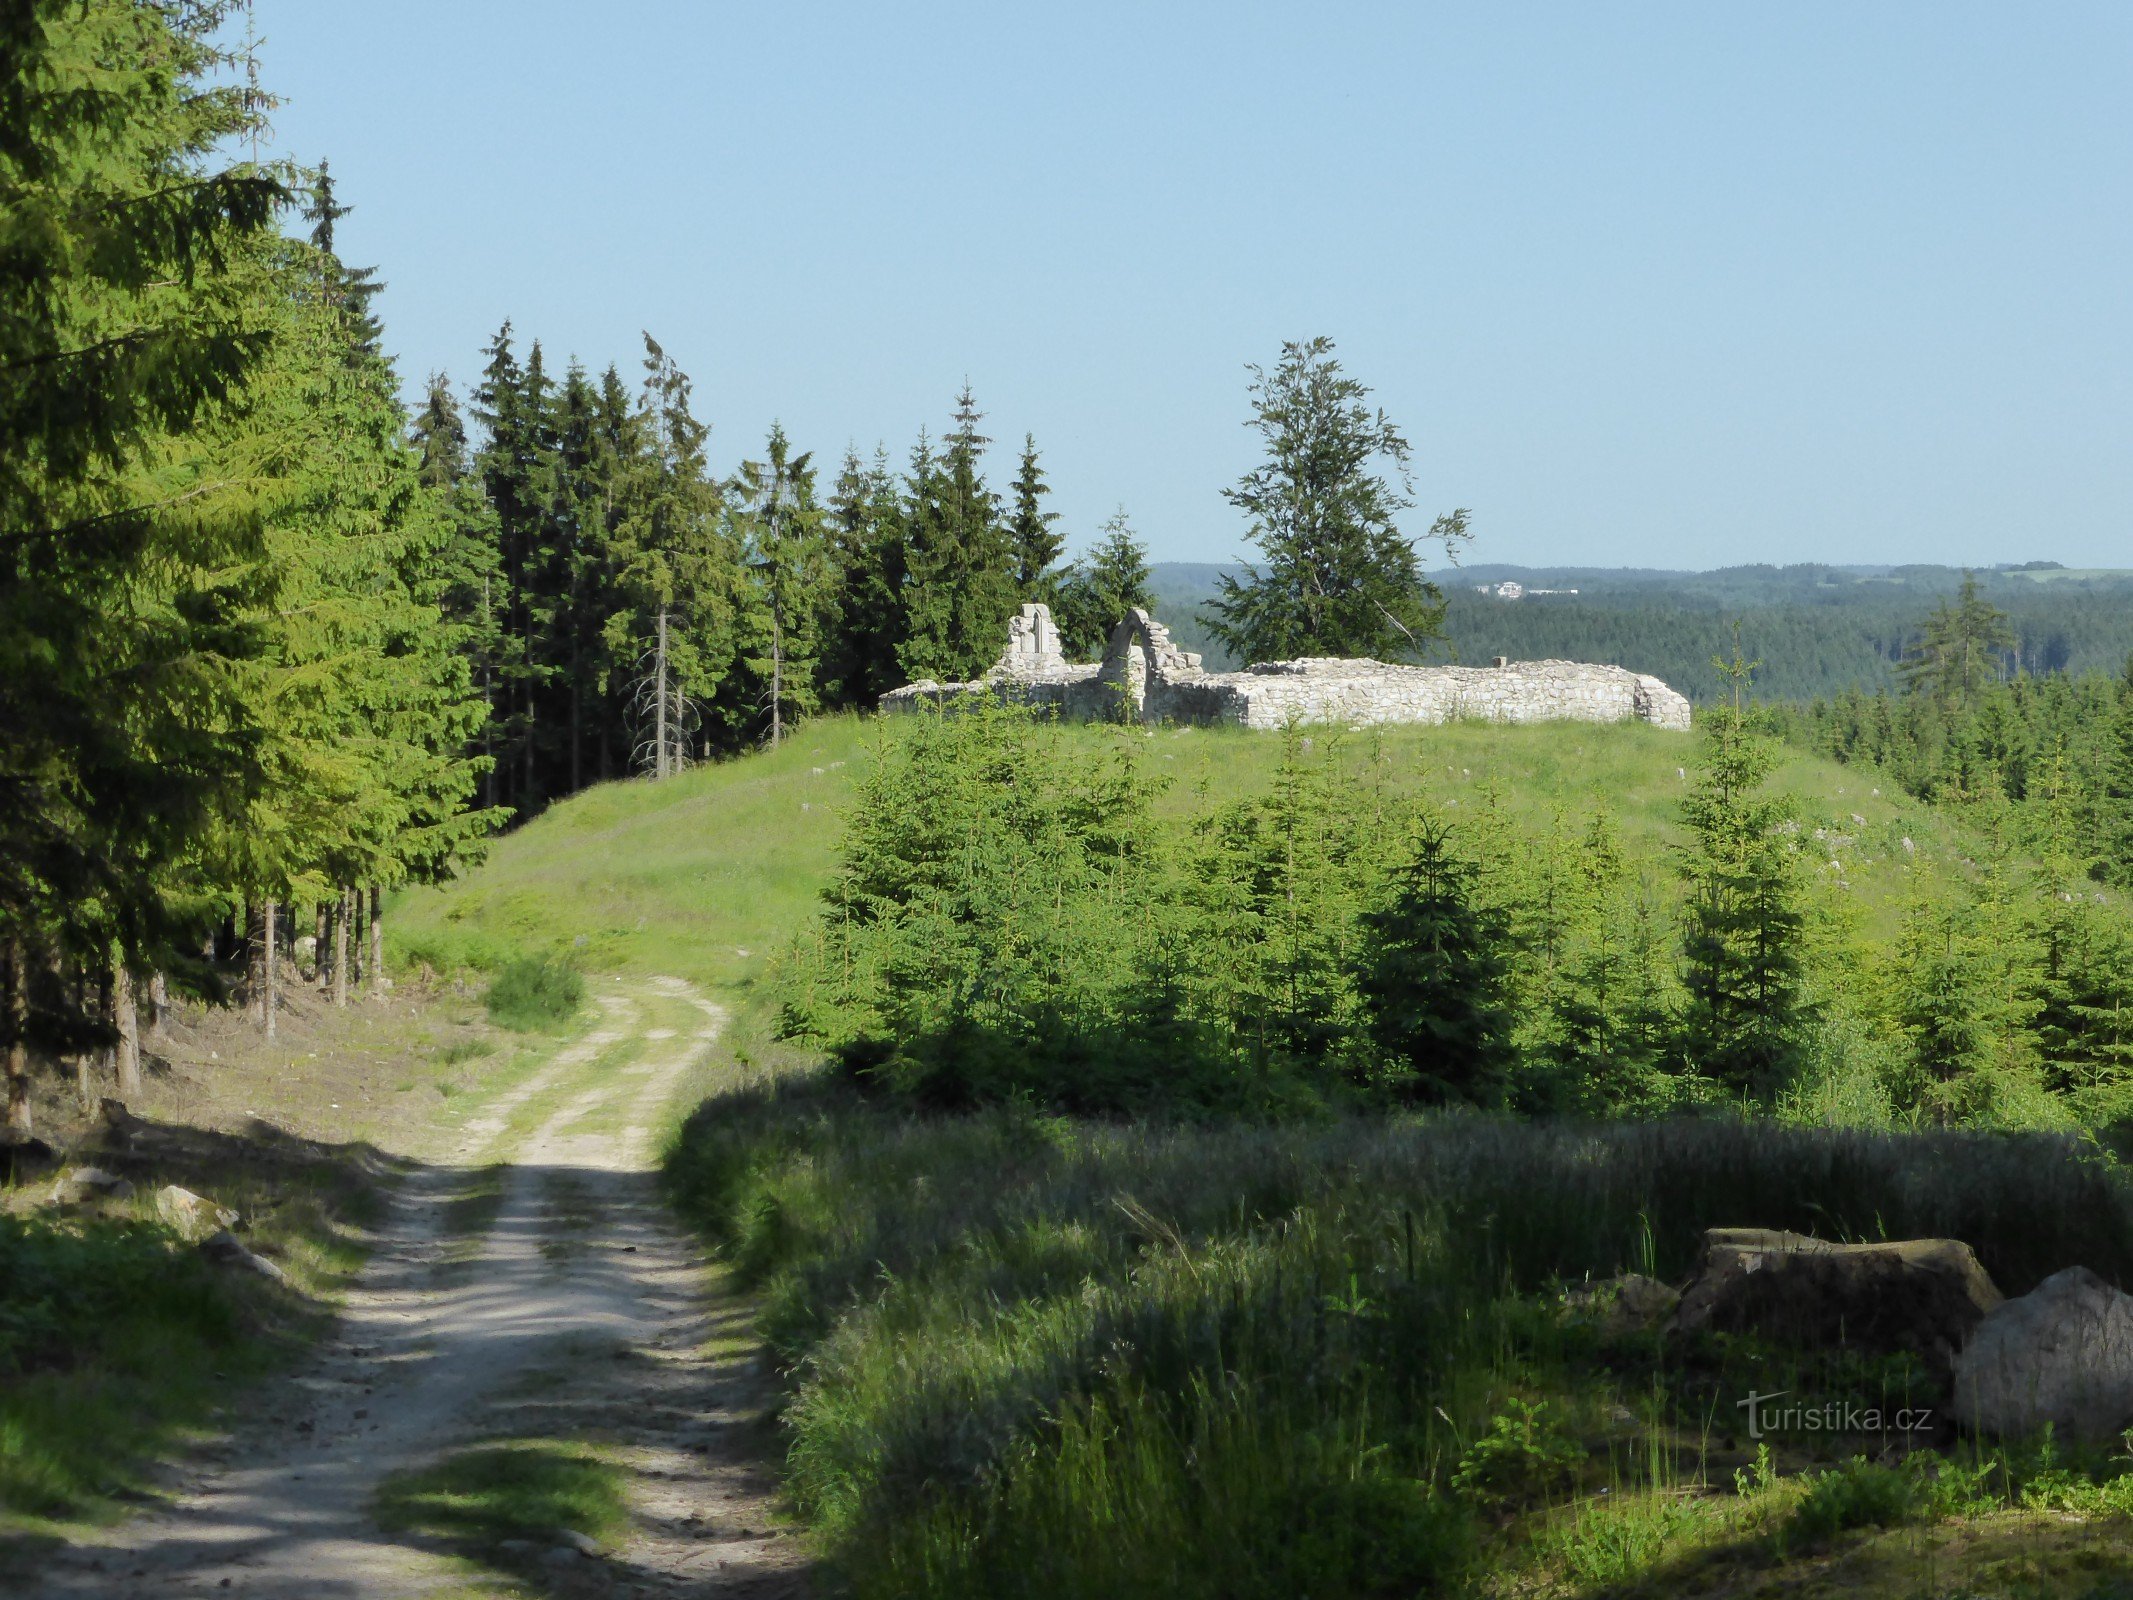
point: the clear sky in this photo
(1655, 284)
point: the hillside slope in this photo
(703, 876)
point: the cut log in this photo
(1918, 1295)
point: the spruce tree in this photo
(1036, 544)
(680, 581)
(959, 565)
(1339, 577)
(350, 289)
(780, 534)
(2115, 791)
(1743, 923)
(1434, 980)
(462, 570)
(1959, 650)
(865, 620)
(122, 717)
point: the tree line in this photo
(1813, 640)
(2048, 758)
(1015, 919)
(231, 683)
(272, 645)
(627, 608)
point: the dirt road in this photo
(529, 1289)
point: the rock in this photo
(583, 1543)
(1631, 1303)
(2061, 1354)
(191, 1214)
(1923, 1296)
(226, 1250)
(90, 1183)
(516, 1547)
(561, 1556)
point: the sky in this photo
(1644, 284)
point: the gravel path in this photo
(580, 1313)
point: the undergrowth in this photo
(535, 994)
(1031, 1354)
(118, 1340)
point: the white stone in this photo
(2061, 1354)
(1146, 678)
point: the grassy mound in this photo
(709, 874)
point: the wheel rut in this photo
(581, 1314)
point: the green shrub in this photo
(1524, 1454)
(536, 994)
(1859, 1494)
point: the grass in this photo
(535, 994)
(1027, 1353)
(119, 1343)
(706, 876)
(513, 1489)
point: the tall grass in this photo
(109, 1333)
(535, 994)
(1092, 1359)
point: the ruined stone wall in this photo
(1144, 677)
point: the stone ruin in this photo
(1145, 678)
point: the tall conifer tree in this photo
(1036, 543)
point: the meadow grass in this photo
(119, 1342)
(1028, 1354)
(508, 1489)
(708, 875)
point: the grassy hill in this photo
(705, 875)
(1213, 1358)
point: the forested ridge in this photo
(1814, 629)
(272, 642)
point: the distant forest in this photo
(1816, 630)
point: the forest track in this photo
(580, 1313)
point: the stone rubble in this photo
(1146, 678)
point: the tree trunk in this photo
(577, 712)
(158, 1005)
(525, 700)
(319, 937)
(340, 948)
(659, 746)
(374, 974)
(356, 963)
(18, 1046)
(255, 960)
(126, 1017)
(87, 1061)
(269, 1000)
(777, 679)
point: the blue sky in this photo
(1654, 284)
